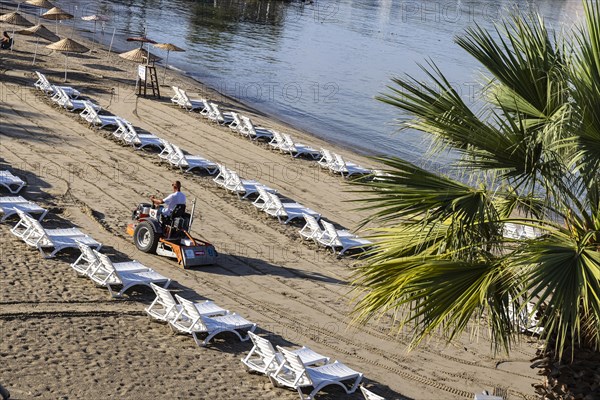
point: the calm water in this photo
(317, 66)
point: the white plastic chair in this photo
(263, 357)
(190, 320)
(13, 183)
(278, 142)
(62, 99)
(294, 374)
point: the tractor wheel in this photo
(145, 238)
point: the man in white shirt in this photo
(171, 200)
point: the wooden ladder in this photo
(151, 73)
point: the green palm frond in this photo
(528, 156)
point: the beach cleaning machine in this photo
(169, 236)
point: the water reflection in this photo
(318, 66)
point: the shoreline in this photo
(220, 94)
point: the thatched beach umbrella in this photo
(56, 14)
(41, 4)
(39, 31)
(168, 47)
(67, 46)
(14, 18)
(139, 56)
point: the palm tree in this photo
(527, 156)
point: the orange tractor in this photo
(169, 236)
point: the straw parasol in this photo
(95, 18)
(168, 47)
(15, 18)
(41, 4)
(39, 31)
(139, 56)
(56, 14)
(67, 46)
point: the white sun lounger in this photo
(243, 186)
(236, 123)
(10, 205)
(176, 97)
(297, 149)
(347, 169)
(189, 320)
(343, 239)
(223, 176)
(44, 85)
(370, 395)
(265, 359)
(165, 308)
(58, 239)
(326, 160)
(294, 374)
(126, 275)
(289, 211)
(187, 163)
(13, 183)
(190, 104)
(91, 115)
(221, 118)
(278, 142)
(311, 229)
(254, 132)
(62, 99)
(140, 140)
(88, 262)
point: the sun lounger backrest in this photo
(189, 308)
(164, 296)
(265, 348)
(275, 200)
(294, 363)
(216, 112)
(106, 262)
(370, 395)
(263, 194)
(339, 160)
(312, 222)
(87, 251)
(234, 178)
(330, 229)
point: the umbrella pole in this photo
(37, 41)
(13, 31)
(56, 26)
(166, 65)
(66, 62)
(111, 41)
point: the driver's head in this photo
(176, 186)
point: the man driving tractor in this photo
(170, 201)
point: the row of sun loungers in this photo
(276, 140)
(267, 201)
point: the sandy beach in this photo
(62, 337)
